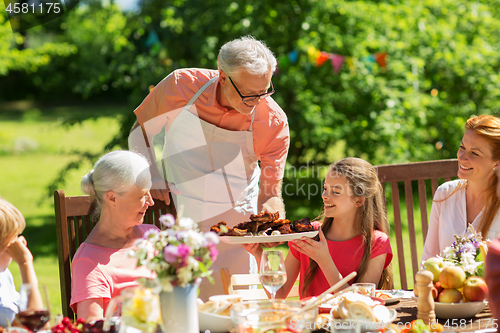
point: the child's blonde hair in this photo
(12, 222)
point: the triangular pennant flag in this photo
(313, 54)
(380, 59)
(350, 63)
(337, 62)
(151, 39)
(293, 56)
(323, 56)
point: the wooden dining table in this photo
(406, 309)
(407, 312)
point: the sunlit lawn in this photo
(33, 143)
(26, 174)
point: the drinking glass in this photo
(367, 289)
(33, 306)
(272, 271)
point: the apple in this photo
(452, 277)
(435, 293)
(475, 289)
(438, 286)
(435, 266)
(450, 296)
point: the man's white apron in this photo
(217, 174)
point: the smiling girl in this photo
(353, 235)
(471, 199)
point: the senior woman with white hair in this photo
(120, 183)
(219, 124)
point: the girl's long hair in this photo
(488, 128)
(363, 181)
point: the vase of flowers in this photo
(468, 252)
(181, 256)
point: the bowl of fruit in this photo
(455, 295)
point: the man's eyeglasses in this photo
(252, 98)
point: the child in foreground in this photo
(12, 247)
(353, 235)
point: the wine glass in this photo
(33, 306)
(272, 271)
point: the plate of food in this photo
(214, 315)
(352, 309)
(264, 228)
(389, 296)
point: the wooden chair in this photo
(435, 171)
(74, 221)
(238, 284)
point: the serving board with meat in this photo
(264, 228)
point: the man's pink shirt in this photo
(270, 128)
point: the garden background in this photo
(388, 81)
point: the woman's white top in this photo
(449, 218)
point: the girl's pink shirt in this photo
(346, 256)
(101, 272)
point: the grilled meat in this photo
(302, 225)
(265, 217)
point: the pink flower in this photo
(213, 252)
(183, 252)
(171, 253)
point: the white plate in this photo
(394, 296)
(266, 239)
(214, 323)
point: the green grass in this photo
(30, 146)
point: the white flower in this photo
(194, 239)
(167, 220)
(166, 285)
(449, 253)
(211, 237)
(186, 223)
(185, 275)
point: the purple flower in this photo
(171, 253)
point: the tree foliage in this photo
(442, 66)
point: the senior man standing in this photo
(219, 126)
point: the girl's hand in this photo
(316, 250)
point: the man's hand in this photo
(253, 248)
(161, 189)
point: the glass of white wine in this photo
(272, 271)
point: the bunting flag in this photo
(318, 58)
(293, 56)
(380, 59)
(337, 62)
(323, 57)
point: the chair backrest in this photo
(238, 284)
(435, 173)
(74, 221)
